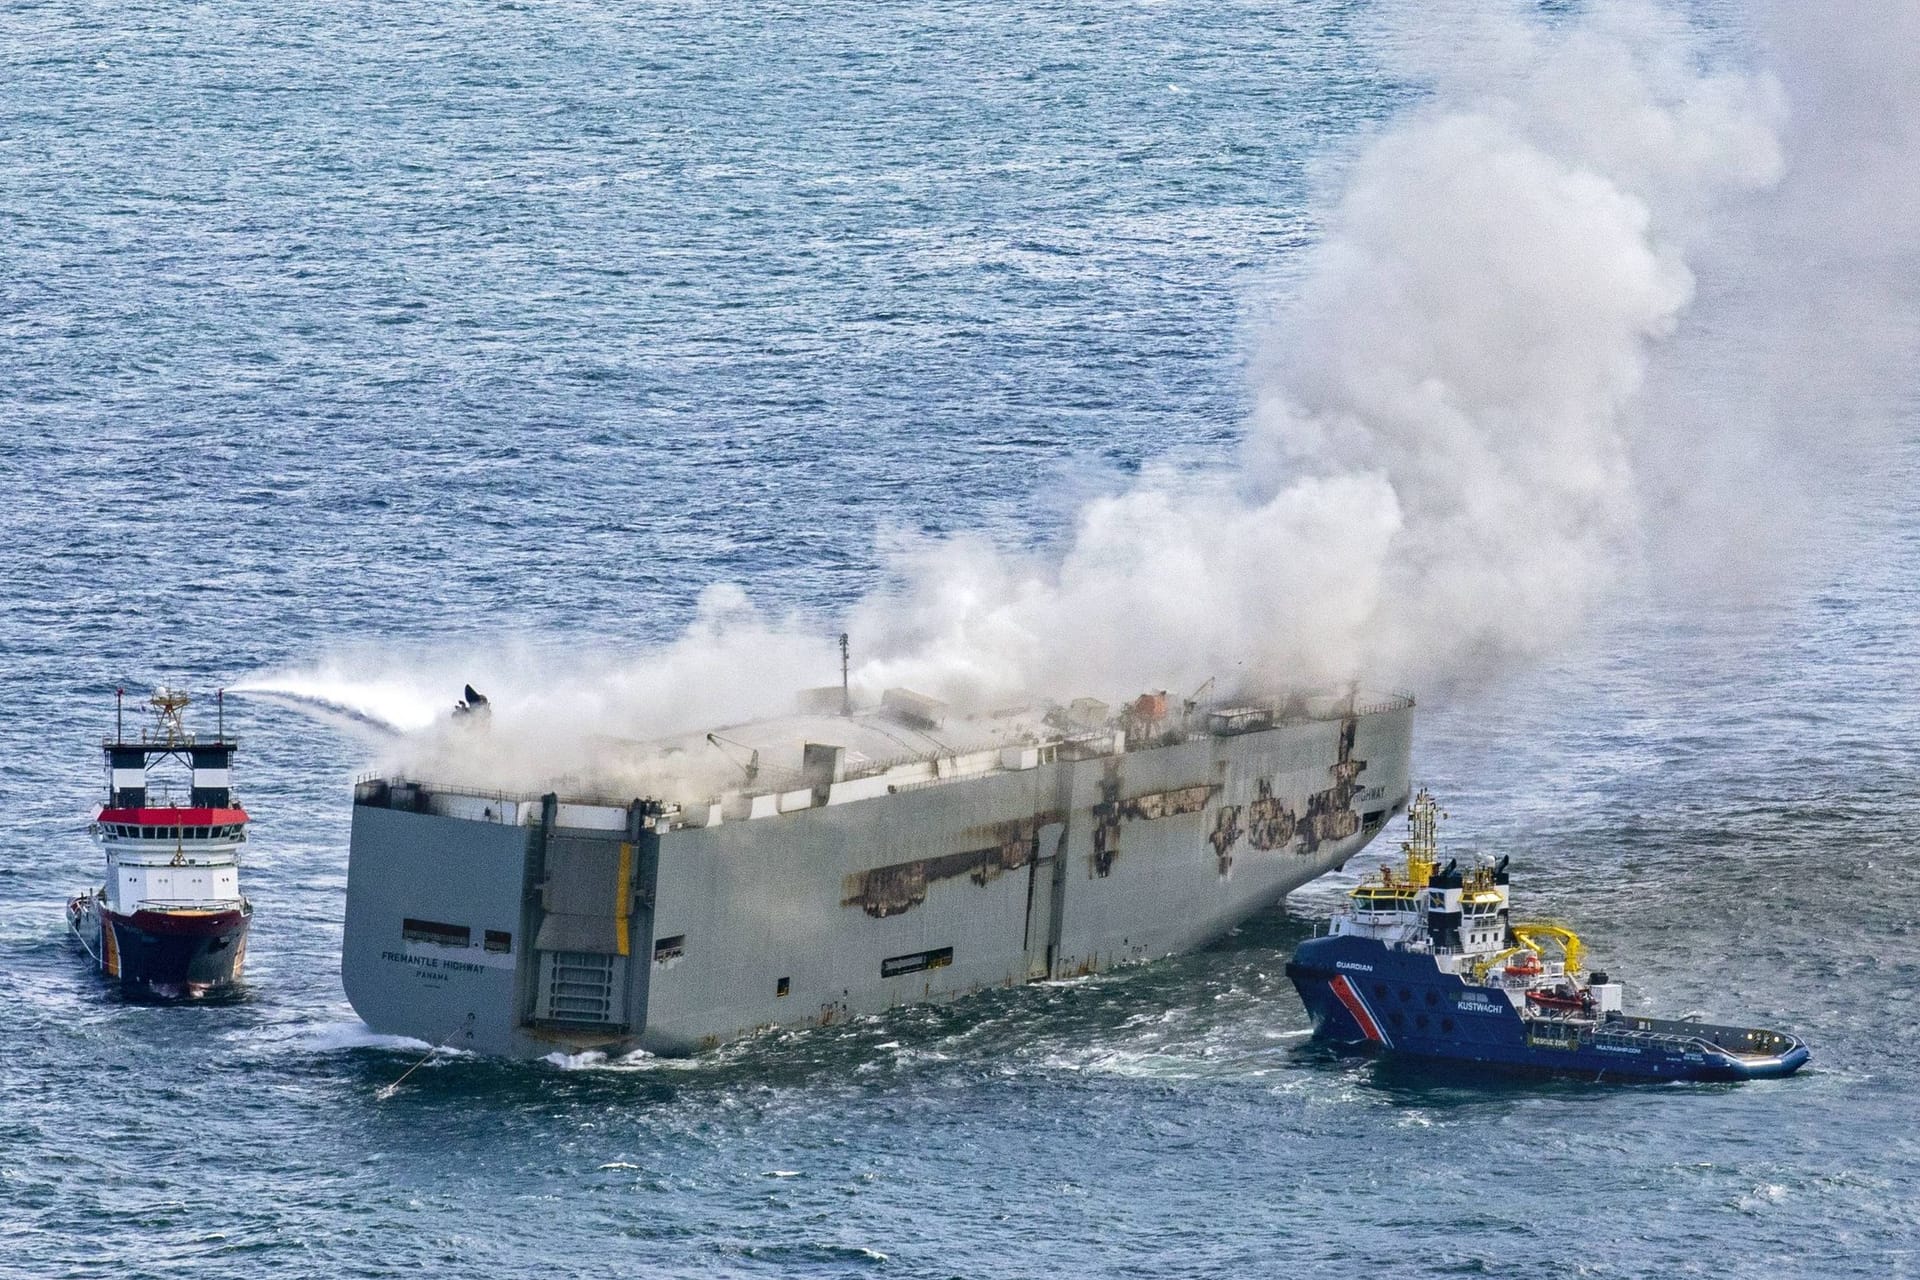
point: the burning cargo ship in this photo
(855, 861)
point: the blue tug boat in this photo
(1428, 963)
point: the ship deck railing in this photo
(189, 904)
(1618, 1030)
(1086, 744)
(1604, 1034)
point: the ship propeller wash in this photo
(840, 861)
(170, 921)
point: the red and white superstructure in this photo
(170, 920)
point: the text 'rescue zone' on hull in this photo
(523, 926)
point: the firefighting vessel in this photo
(840, 861)
(170, 921)
(1428, 963)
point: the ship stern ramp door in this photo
(590, 909)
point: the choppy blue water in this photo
(402, 324)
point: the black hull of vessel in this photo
(165, 955)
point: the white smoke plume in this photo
(1442, 469)
(1504, 392)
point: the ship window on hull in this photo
(499, 940)
(447, 935)
(894, 966)
(783, 987)
(670, 948)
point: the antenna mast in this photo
(846, 688)
(119, 734)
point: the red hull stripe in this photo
(189, 923)
(173, 817)
(1358, 1008)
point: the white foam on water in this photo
(577, 1061)
(638, 1060)
(335, 1037)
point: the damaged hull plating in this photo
(533, 925)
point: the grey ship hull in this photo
(526, 927)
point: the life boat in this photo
(1561, 1001)
(1524, 965)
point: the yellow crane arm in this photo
(1487, 964)
(1534, 932)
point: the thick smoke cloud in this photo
(1442, 473)
(1579, 324)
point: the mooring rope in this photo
(80, 938)
(387, 1091)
